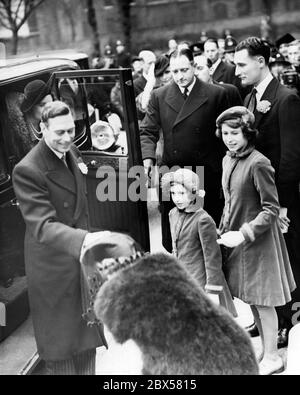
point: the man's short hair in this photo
(212, 40)
(255, 47)
(156, 303)
(54, 109)
(187, 52)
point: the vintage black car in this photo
(107, 135)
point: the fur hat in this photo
(156, 303)
(34, 92)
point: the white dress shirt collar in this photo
(190, 87)
(262, 86)
(58, 154)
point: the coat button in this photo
(66, 204)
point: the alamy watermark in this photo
(123, 184)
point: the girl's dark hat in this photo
(34, 92)
(236, 113)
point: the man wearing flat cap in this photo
(50, 186)
(277, 118)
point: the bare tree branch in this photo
(28, 10)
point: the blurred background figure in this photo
(221, 71)
(229, 49)
(278, 64)
(148, 59)
(123, 58)
(294, 54)
(203, 36)
(265, 28)
(172, 46)
(183, 45)
(282, 44)
(197, 48)
(109, 56)
(136, 65)
(202, 71)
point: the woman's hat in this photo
(185, 177)
(161, 65)
(34, 92)
(237, 112)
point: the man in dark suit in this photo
(49, 183)
(277, 113)
(221, 71)
(202, 71)
(186, 110)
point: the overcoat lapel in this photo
(80, 183)
(70, 179)
(270, 95)
(174, 98)
(196, 99)
(57, 171)
(220, 70)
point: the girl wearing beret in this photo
(194, 235)
(257, 265)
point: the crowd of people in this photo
(233, 231)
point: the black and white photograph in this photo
(149, 190)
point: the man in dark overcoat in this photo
(49, 183)
(277, 118)
(186, 111)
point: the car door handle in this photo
(14, 202)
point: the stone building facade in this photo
(63, 24)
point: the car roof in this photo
(16, 69)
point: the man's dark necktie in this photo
(185, 93)
(252, 102)
(64, 159)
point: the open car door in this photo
(103, 107)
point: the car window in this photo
(101, 98)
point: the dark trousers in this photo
(83, 364)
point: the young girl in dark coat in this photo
(194, 235)
(257, 267)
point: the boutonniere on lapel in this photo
(83, 167)
(263, 106)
